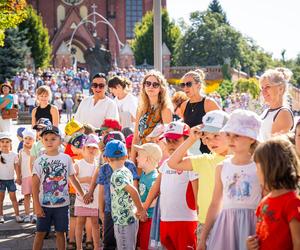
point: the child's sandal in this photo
(89, 245)
(71, 246)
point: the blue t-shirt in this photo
(10, 98)
(145, 184)
(104, 175)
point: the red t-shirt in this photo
(273, 218)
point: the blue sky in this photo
(273, 24)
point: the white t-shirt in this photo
(86, 169)
(7, 169)
(25, 164)
(53, 172)
(127, 108)
(177, 201)
(95, 114)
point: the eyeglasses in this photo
(148, 84)
(96, 85)
(186, 84)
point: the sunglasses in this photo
(96, 85)
(186, 84)
(148, 84)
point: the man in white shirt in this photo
(94, 109)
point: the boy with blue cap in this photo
(125, 199)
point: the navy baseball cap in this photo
(50, 130)
(42, 123)
(115, 149)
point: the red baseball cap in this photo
(128, 140)
(175, 130)
(111, 123)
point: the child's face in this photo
(28, 141)
(216, 142)
(5, 145)
(141, 159)
(173, 144)
(44, 97)
(51, 142)
(297, 140)
(238, 143)
(89, 151)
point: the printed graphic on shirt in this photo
(55, 188)
(238, 186)
(265, 217)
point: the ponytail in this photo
(2, 160)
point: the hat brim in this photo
(172, 136)
(6, 137)
(228, 130)
(95, 145)
(50, 132)
(138, 147)
(39, 126)
(210, 129)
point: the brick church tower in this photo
(61, 17)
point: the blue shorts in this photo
(7, 184)
(57, 216)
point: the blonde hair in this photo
(44, 90)
(198, 75)
(179, 97)
(278, 76)
(163, 96)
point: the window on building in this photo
(134, 14)
(83, 11)
(61, 15)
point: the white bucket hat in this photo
(244, 123)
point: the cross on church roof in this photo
(94, 7)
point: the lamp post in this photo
(157, 35)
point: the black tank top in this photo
(193, 115)
(43, 113)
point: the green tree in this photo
(250, 86)
(225, 89)
(38, 38)
(12, 12)
(13, 53)
(142, 44)
(215, 7)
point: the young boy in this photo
(178, 190)
(51, 173)
(205, 164)
(149, 155)
(125, 198)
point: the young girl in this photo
(44, 108)
(26, 171)
(8, 164)
(231, 215)
(85, 169)
(278, 223)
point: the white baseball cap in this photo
(28, 132)
(214, 121)
(177, 129)
(244, 123)
(5, 135)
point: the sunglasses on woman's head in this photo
(153, 84)
(186, 84)
(98, 85)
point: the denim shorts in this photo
(7, 184)
(57, 216)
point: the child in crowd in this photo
(204, 164)
(128, 142)
(278, 214)
(84, 170)
(20, 137)
(178, 190)
(231, 215)
(103, 177)
(51, 174)
(125, 199)
(26, 172)
(109, 125)
(149, 155)
(9, 164)
(44, 108)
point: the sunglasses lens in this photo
(182, 85)
(189, 84)
(96, 85)
(148, 84)
(155, 85)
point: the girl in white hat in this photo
(231, 216)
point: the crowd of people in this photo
(159, 172)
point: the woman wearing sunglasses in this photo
(154, 107)
(197, 105)
(94, 109)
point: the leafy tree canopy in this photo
(142, 44)
(215, 7)
(12, 12)
(38, 38)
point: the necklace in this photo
(193, 105)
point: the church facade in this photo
(107, 22)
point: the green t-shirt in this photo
(122, 205)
